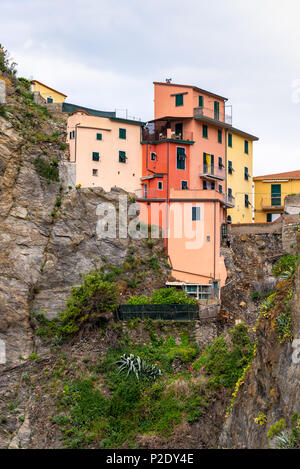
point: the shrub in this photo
(169, 296)
(276, 428)
(286, 266)
(225, 364)
(89, 302)
(47, 170)
(25, 82)
(137, 367)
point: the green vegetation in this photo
(46, 169)
(89, 302)
(224, 363)
(163, 296)
(276, 428)
(286, 266)
(137, 367)
(109, 408)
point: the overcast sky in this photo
(106, 55)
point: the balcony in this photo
(150, 194)
(153, 132)
(212, 173)
(229, 201)
(272, 203)
(222, 117)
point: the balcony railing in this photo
(212, 172)
(221, 116)
(229, 200)
(149, 194)
(153, 133)
(272, 202)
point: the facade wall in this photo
(47, 92)
(165, 101)
(236, 181)
(263, 196)
(110, 172)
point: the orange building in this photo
(184, 159)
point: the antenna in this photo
(168, 80)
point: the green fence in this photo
(164, 312)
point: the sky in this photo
(106, 55)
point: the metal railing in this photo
(272, 201)
(164, 312)
(211, 171)
(221, 116)
(149, 194)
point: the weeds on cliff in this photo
(89, 302)
(286, 266)
(46, 169)
(224, 363)
(3, 111)
(163, 296)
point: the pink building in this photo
(184, 158)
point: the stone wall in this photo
(2, 92)
(257, 228)
(291, 222)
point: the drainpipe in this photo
(168, 197)
(76, 125)
(214, 240)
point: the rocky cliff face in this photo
(47, 231)
(271, 386)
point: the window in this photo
(72, 134)
(246, 147)
(153, 156)
(160, 185)
(195, 213)
(122, 134)
(276, 194)
(212, 186)
(230, 168)
(220, 189)
(217, 110)
(269, 217)
(221, 166)
(95, 172)
(201, 101)
(204, 131)
(246, 174)
(122, 157)
(230, 193)
(220, 136)
(96, 156)
(184, 185)
(247, 203)
(49, 100)
(179, 100)
(204, 185)
(145, 187)
(99, 137)
(181, 156)
(230, 140)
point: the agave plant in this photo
(138, 367)
(284, 440)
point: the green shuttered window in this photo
(122, 134)
(179, 100)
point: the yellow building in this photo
(270, 191)
(49, 94)
(239, 156)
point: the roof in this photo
(68, 107)
(244, 134)
(287, 175)
(128, 121)
(191, 86)
(49, 88)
